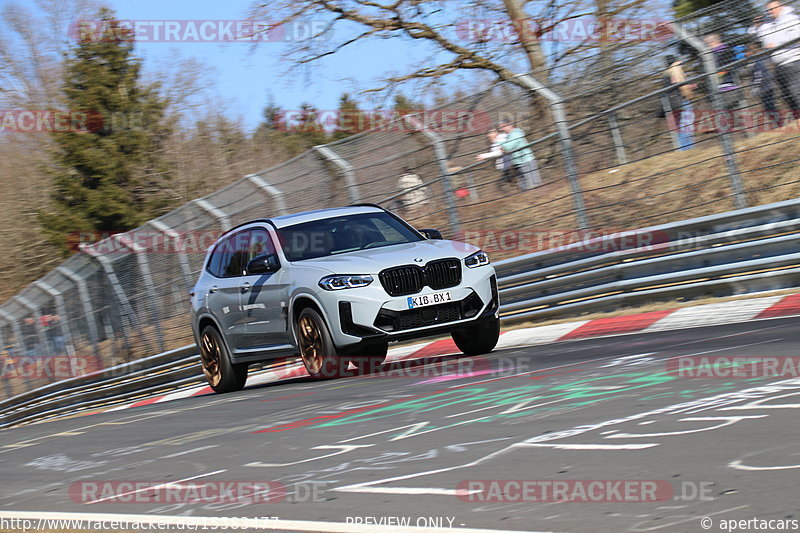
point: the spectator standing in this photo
(763, 85)
(727, 83)
(522, 158)
(780, 26)
(681, 103)
(416, 196)
(502, 161)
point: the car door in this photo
(264, 299)
(224, 291)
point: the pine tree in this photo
(350, 118)
(403, 105)
(308, 130)
(109, 175)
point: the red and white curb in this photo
(687, 317)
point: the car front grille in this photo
(443, 273)
(410, 279)
(402, 280)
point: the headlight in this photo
(477, 259)
(334, 283)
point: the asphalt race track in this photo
(420, 444)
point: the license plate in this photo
(429, 299)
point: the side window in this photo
(219, 256)
(235, 258)
(260, 244)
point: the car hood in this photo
(373, 260)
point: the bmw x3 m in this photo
(336, 286)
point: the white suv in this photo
(336, 285)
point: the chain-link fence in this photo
(619, 136)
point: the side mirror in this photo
(431, 234)
(263, 264)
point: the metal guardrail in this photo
(735, 252)
(757, 248)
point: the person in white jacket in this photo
(502, 161)
(782, 26)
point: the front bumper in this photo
(368, 314)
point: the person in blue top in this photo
(522, 159)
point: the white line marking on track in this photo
(591, 446)
(170, 456)
(154, 487)
(343, 448)
(739, 466)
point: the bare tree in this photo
(499, 37)
(32, 45)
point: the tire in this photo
(478, 339)
(222, 375)
(320, 356)
(369, 358)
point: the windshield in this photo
(339, 235)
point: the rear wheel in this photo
(478, 339)
(320, 356)
(369, 357)
(222, 375)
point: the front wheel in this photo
(478, 339)
(320, 356)
(222, 375)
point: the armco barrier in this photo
(751, 249)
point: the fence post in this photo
(144, 267)
(180, 249)
(37, 316)
(12, 321)
(127, 314)
(62, 313)
(616, 135)
(345, 167)
(444, 173)
(270, 190)
(567, 152)
(710, 68)
(86, 303)
(9, 390)
(9, 319)
(215, 212)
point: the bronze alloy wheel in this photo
(222, 375)
(210, 356)
(320, 356)
(311, 345)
